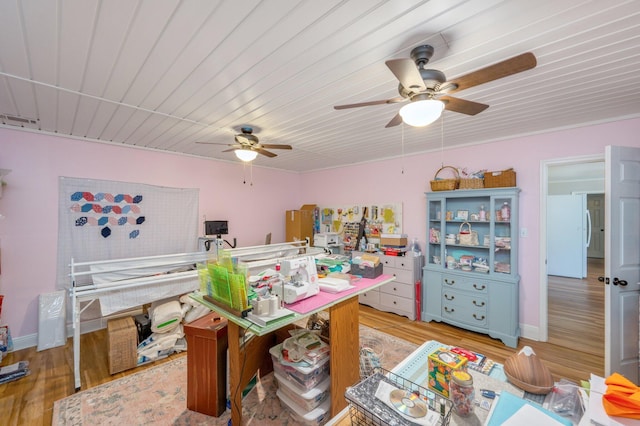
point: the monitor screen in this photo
(216, 227)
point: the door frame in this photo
(543, 330)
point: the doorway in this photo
(572, 309)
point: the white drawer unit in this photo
(398, 296)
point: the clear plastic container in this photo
(307, 399)
(301, 374)
(317, 416)
(415, 247)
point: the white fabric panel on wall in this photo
(102, 220)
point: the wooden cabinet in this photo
(299, 223)
(471, 280)
(397, 296)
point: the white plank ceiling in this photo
(163, 74)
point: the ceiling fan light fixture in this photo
(421, 113)
(246, 155)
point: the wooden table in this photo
(249, 343)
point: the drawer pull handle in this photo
(446, 296)
(394, 302)
(482, 287)
(481, 304)
(452, 282)
(395, 289)
(451, 310)
(478, 318)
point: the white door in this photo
(622, 261)
(566, 235)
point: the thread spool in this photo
(273, 305)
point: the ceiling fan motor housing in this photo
(432, 80)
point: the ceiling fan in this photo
(248, 146)
(428, 90)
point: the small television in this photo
(216, 227)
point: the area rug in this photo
(158, 396)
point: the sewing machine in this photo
(300, 279)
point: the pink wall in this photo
(383, 181)
(28, 233)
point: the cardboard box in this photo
(393, 240)
(299, 223)
(440, 364)
(122, 344)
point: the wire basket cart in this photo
(366, 409)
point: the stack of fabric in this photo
(622, 398)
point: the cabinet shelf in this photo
(486, 272)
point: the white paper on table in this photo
(529, 415)
(596, 410)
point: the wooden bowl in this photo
(528, 373)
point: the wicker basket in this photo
(448, 184)
(500, 179)
(471, 183)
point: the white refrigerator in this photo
(568, 235)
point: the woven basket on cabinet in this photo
(445, 184)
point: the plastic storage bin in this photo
(317, 416)
(303, 376)
(303, 398)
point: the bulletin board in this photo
(384, 218)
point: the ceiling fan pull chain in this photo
(442, 140)
(402, 133)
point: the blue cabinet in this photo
(471, 270)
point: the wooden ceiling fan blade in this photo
(264, 152)
(463, 106)
(379, 102)
(523, 62)
(407, 73)
(275, 146)
(397, 119)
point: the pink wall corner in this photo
(28, 234)
(407, 179)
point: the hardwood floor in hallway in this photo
(576, 310)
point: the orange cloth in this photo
(622, 397)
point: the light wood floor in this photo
(29, 401)
(576, 310)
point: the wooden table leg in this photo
(246, 357)
(344, 335)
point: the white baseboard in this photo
(88, 326)
(530, 332)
